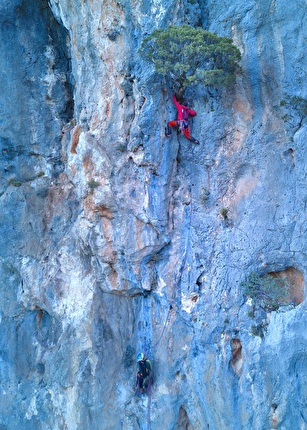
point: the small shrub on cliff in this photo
(299, 104)
(259, 330)
(15, 183)
(192, 56)
(93, 184)
(296, 108)
(224, 213)
(204, 195)
(268, 292)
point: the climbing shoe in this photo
(168, 131)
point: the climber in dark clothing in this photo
(144, 373)
(182, 123)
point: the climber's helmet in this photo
(140, 357)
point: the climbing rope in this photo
(178, 282)
(146, 349)
(148, 406)
(176, 287)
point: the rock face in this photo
(116, 240)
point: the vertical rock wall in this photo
(116, 240)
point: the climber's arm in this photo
(192, 112)
(178, 106)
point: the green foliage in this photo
(268, 292)
(204, 195)
(93, 184)
(121, 147)
(299, 104)
(296, 112)
(15, 183)
(191, 56)
(259, 330)
(224, 213)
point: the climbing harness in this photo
(181, 126)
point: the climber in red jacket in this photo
(182, 124)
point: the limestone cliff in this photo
(116, 240)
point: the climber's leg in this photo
(194, 140)
(187, 133)
(168, 130)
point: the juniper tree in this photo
(191, 56)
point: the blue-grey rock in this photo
(116, 240)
